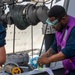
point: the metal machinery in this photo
(24, 16)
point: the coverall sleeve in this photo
(69, 50)
(54, 45)
(2, 35)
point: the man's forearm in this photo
(50, 52)
(57, 57)
(2, 55)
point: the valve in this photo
(12, 68)
(16, 70)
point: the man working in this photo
(63, 47)
(2, 43)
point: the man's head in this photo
(58, 13)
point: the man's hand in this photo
(56, 57)
(43, 60)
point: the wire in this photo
(40, 1)
(43, 40)
(49, 2)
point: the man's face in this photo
(62, 22)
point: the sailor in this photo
(63, 47)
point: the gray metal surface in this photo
(31, 15)
(42, 13)
(45, 71)
(32, 72)
(18, 58)
(3, 73)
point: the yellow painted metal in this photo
(16, 70)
